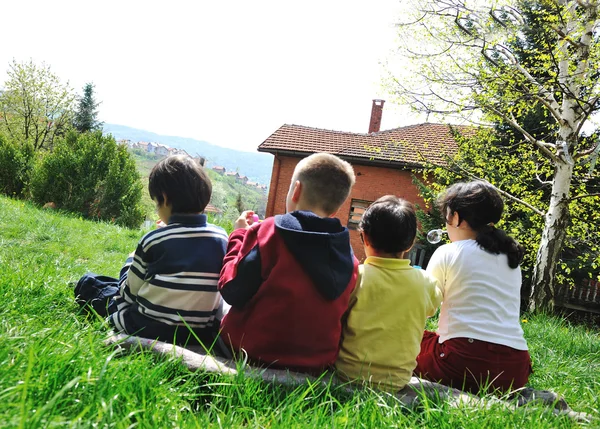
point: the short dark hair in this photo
(479, 204)
(391, 224)
(327, 180)
(183, 181)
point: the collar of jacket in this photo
(188, 219)
(389, 263)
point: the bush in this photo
(16, 163)
(90, 174)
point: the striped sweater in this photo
(170, 284)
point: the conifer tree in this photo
(239, 203)
(86, 116)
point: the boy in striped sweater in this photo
(167, 289)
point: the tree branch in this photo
(588, 152)
(578, 197)
(512, 121)
(506, 194)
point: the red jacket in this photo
(288, 280)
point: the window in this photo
(357, 209)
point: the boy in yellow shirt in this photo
(391, 302)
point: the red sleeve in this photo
(241, 273)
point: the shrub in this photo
(120, 185)
(16, 162)
(90, 174)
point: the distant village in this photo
(160, 149)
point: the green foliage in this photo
(529, 68)
(218, 197)
(429, 217)
(517, 170)
(35, 106)
(90, 174)
(16, 163)
(55, 370)
(239, 196)
(86, 114)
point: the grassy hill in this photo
(255, 165)
(56, 372)
(225, 190)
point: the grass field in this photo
(55, 371)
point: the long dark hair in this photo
(480, 204)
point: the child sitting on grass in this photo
(168, 287)
(391, 302)
(289, 278)
(479, 344)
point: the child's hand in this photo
(244, 221)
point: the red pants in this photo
(470, 364)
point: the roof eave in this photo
(390, 163)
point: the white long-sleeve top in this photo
(481, 295)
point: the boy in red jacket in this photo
(289, 278)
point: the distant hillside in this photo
(225, 190)
(255, 165)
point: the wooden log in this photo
(195, 358)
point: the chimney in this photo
(376, 111)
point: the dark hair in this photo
(391, 224)
(480, 204)
(183, 181)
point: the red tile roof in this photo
(407, 145)
(212, 209)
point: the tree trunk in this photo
(553, 236)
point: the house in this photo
(253, 184)
(233, 174)
(212, 209)
(175, 151)
(161, 149)
(125, 142)
(242, 179)
(383, 161)
(219, 169)
(142, 145)
(152, 147)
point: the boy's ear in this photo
(297, 191)
(363, 237)
(165, 199)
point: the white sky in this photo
(228, 72)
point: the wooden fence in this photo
(584, 296)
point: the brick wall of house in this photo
(371, 183)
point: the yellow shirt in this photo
(387, 314)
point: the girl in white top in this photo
(479, 343)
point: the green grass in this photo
(55, 371)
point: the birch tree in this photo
(459, 59)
